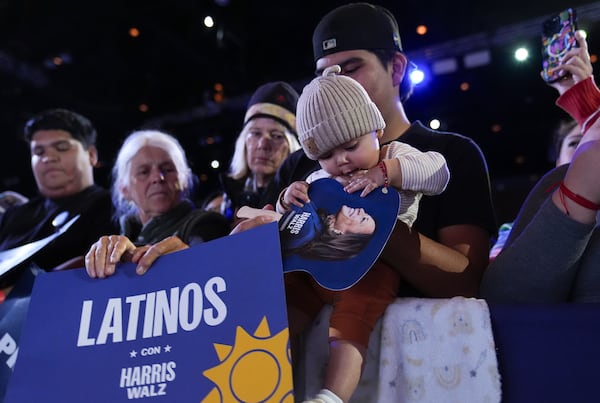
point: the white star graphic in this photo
(167, 349)
(133, 354)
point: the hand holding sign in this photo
(204, 324)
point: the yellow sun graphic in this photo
(256, 369)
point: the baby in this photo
(340, 126)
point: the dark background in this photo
(173, 66)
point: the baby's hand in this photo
(296, 194)
(367, 180)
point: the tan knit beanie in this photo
(333, 110)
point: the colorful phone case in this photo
(558, 37)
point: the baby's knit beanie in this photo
(333, 110)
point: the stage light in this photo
(134, 32)
(215, 164)
(435, 124)
(57, 61)
(218, 95)
(209, 22)
(521, 54)
(417, 76)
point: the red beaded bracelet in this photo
(582, 201)
(386, 179)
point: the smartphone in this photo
(558, 37)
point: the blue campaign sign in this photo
(12, 315)
(13, 312)
(335, 259)
(207, 324)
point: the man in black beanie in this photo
(447, 252)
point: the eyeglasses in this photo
(276, 137)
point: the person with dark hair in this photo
(268, 136)
(339, 126)
(446, 253)
(328, 236)
(63, 156)
(79, 126)
(53, 229)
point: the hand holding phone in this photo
(558, 37)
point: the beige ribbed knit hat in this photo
(333, 110)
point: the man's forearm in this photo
(437, 270)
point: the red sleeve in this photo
(582, 102)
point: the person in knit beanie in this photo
(340, 127)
